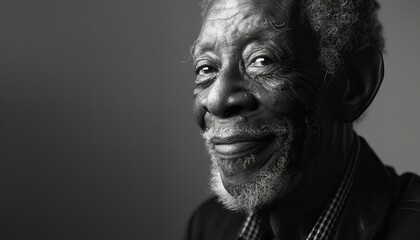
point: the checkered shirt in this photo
(251, 228)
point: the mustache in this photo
(247, 131)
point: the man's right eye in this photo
(205, 71)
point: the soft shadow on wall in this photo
(391, 124)
(96, 134)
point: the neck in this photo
(294, 215)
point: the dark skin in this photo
(257, 65)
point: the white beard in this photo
(269, 183)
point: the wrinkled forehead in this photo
(230, 10)
(232, 7)
(231, 20)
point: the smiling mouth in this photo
(239, 158)
(238, 147)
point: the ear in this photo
(362, 78)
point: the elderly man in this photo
(278, 85)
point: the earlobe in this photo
(363, 76)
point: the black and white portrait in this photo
(209, 119)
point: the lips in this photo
(239, 158)
(237, 147)
(241, 152)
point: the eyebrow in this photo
(195, 46)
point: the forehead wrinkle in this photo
(275, 10)
(234, 25)
(266, 34)
(233, 16)
(233, 31)
(228, 23)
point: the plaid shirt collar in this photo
(251, 228)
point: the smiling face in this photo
(257, 99)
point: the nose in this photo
(229, 96)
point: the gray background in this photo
(96, 135)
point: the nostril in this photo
(240, 103)
(204, 108)
(226, 99)
(233, 110)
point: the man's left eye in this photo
(261, 61)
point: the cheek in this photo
(281, 99)
(198, 111)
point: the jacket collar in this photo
(368, 200)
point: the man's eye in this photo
(261, 61)
(205, 71)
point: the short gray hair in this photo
(342, 27)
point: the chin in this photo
(266, 186)
(248, 182)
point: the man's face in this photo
(257, 99)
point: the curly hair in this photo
(343, 26)
(340, 27)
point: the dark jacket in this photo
(381, 205)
